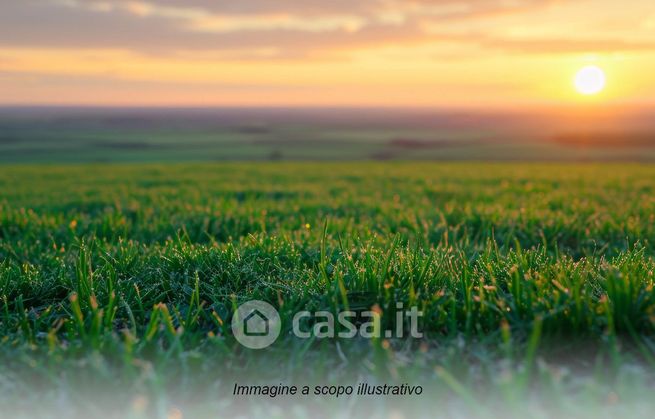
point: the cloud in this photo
(79, 29)
(203, 24)
(267, 29)
(566, 45)
(323, 7)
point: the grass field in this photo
(536, 281)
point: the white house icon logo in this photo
(256, 324)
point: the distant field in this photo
(537, 281)
(65, 135)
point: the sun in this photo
(590, 80)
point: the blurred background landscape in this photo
(95, 134)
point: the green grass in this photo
(120, 280)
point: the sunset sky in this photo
(450, 53)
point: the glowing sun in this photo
(590, 80)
